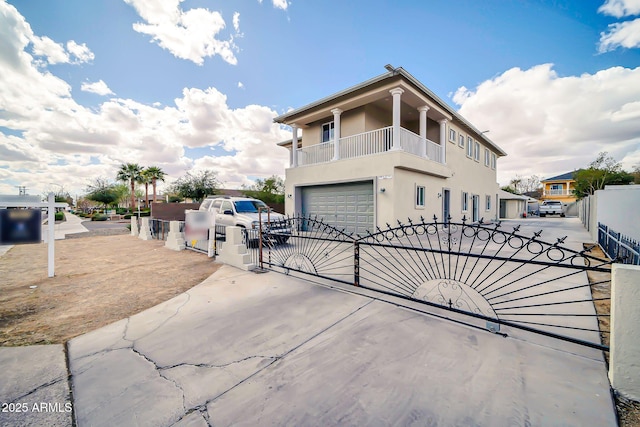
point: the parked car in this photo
(551, 207)
(245, 212)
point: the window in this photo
(461, 141)
(216, 204)
(557, 189)
(469, 147)
(486, 157)
(465, 201)
(487, 203)
(493, 160)
(452, 135)
(249, 206)
(226, 206)
(419, 196)
(205, 205)
(476, 153)
(327, 132)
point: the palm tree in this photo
(146, 180)
(130, 172)
(155, 173)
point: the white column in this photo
(624, 370)
(423, 128)
(336, 133)
(294, 146)
(443, 140)
(397, 92)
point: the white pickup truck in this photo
(551, 207)
(243, 212)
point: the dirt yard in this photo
(98, 280)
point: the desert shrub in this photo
(59, 216)
(99, 217)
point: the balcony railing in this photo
(319, 153)
(559, 192)
(368, 143)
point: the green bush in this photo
(59, 216)
(121, 211)
(127, 216)
(99, 217)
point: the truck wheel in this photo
(562, 215)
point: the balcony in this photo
(369, 143)
(559, 192)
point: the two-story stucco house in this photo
(560, 187)
(384, 150)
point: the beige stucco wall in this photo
(624, 366)
(470, 176)
(351, 122)
(376, 118)
(401, 172)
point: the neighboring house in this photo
(388, 149)
(560, 187)
(512, 205)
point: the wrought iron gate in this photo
(476, 269)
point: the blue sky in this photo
(195, 84)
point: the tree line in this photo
(194, 186)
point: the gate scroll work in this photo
(477, 269)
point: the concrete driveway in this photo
(268, 349)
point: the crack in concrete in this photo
(202, 409)
(208, 365)
(40, 387)
(164, 322)
(159, 371)
(285, 354)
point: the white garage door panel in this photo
(344, 206)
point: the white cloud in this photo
(240, 85)
(52, 51)
(280, 4)
(58, 140)
(98, 87)
(620, 8)
(236, 21)
(190, 34)
(621, 34)
(80, 51)
(549, 124)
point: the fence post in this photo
(175, 239)
(624, 369)
(145, 229)
(356, 264)
(134, 226)
(234, 252)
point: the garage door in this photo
(344, 206)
